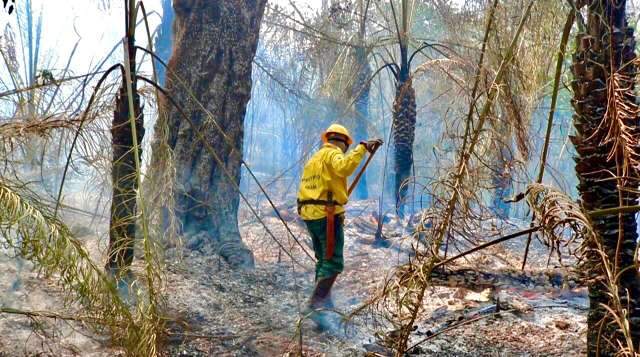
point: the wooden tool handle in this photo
(359, 175)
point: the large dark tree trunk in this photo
(123, 173)
(607, 48)
(215, 42)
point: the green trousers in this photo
(318, 230)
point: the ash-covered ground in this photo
(224, 312)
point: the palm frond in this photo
(562, 220)
(564, 223)
(36, 235)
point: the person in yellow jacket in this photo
(321, 199)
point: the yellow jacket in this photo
(327, 170)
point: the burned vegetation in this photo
(319, 178)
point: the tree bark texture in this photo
(404, 123)
(123, 176)
(404, 126)
(214, 45)
(606, 48)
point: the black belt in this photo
(317, 202)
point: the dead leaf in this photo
(562, 325)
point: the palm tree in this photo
(606, 143)
(123, 172)
(404, 110)
(360, 90)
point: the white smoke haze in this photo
(289, 108)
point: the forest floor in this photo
(225, 312)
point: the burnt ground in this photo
(225, 312)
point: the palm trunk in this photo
(361, 92)
(215, 42)
(601, 52)
(123, 173)
(404, 125)
(404, 116)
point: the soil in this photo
(219, 311)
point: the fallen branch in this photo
(47, 314)
(480, 280)
(488, 244)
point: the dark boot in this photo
(321, 297)
(327, 284)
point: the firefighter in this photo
(321, 200)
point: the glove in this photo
(372, 145)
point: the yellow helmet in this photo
(337, 129)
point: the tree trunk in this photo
(404, 126)
(360, 91)
(404, 117)
(501, 181)
(501, 169)
(123, 174)
(404, 123)
(608, 47)
(215, 42)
